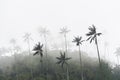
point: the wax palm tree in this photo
(27, 38)
(44, 32)
(64, 31)
(38, 50)
(13, 42)
(78, 40)
(92, 36)
(62, 60)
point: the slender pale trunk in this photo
(118, 59)
(30, 59)
(46, 46)
(105, 52)
(16, 71)
(46, 56)
(29, 46)
(66, 55)
(100, 65)
(98, 51)
(65, 44)
(15, 61)
(41, 64)
(67, 72)
(82, 78)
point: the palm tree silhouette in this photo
(62, 60)
(64, 31)
(27, 38)
(92, 36)
(78, 40)
(38, 51)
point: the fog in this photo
(25, 23)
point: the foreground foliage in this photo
(21, 68)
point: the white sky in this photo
(20, 16)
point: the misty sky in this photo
(20, 16)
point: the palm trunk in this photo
(82, 78)
(118, 59)
(41, 65)
(15, 62)
(46, 57)
(100, 65)
(67, 72)
(31, 74)
(98, 51)
(105, 52)
(30, 59)
(45, 45)
(65, 44)
(66, 55)
(29, 47)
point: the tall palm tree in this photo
(64, 31)
(27, 38)
(13, 42)
(78, 40)
(92, 36)
(62, 60)
(39, 51)
(44, 32)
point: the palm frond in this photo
(98, 34)
(62, 59)
(68, 58)
(38, 49)
(58, 62)
(88, 38)
(92, 34)
(78, 40)
(58, 58)
(36, 53)
(64, 30)
(91, 40)
(92, 31)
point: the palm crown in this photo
(43, 31)
(62, 59)
(64, 30)
(78, 40)
(38, 49)
(27, 36)
(92, 33)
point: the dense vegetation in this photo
(18, 67)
